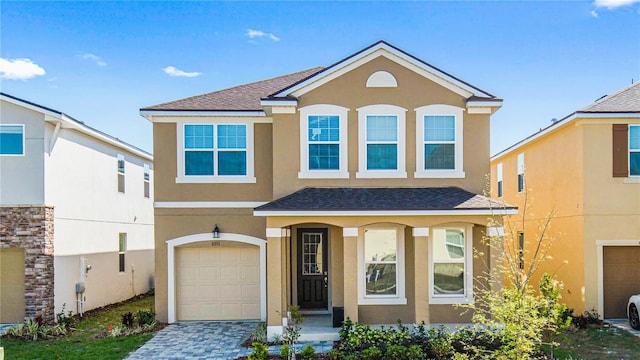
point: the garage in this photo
(621, 271)
(219, 282)
(12, 303)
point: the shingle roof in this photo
(625, 100)
(375, 199)
(244, 97)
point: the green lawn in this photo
(85, 342)
(606, 342)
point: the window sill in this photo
(383, 301)
(323, 174)
(632, 180)
(450, 300)
(215, 179)
(391, 174)
(440, 174)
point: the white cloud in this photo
(594, 13)
(95, 58)
(172, 71)
(19, 69)
(258, 33)
(612, 4)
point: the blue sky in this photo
(100, 62)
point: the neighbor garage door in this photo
(11, 285)
(621, 278)
(218, 283)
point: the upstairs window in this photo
(323, 141)
(499, 177)
(381, 133)
(120, 173)
(634, 150)
(11, 139)
(146, 178)
(439, 145)
(520, 172)
(216, 153)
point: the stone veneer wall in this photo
(30, 227)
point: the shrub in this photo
(127, 319)
(284, 351)
(308, 352)
(260, 351)
(67, 320)
(372, 353)
(146, 317)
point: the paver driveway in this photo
(197, 340)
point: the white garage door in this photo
(218, 283)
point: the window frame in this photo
(521, 180)
(499, 178)
(382, 110)
(400, 297)
(630, 151)
(440, 110)
(23, 150)
(122, 251)
(121, 173)
(146, 181)
(323, 110)
(467, 295)
(181, 176)
(521, 249)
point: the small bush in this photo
(67, 320)
(260, 351)
(145, 317)
(284, 351)
(372, 353)
(127, 319)
(308, 352)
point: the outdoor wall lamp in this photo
(216, 232)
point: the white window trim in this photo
(467, 297)
(446, 110)
(381, 110)
(123, 253)
(24, 145)
(630, 151)
(520, 161)
(184, 179)
(499, 180)
(323, 110)
(400, 297)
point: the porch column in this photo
(350, 254)
(421, 275)
(496, 254)
(276, 280)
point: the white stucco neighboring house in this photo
(76, 214)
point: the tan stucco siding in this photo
(349, 91)
(175, 223)
(166, 188)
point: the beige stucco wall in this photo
(349, 91)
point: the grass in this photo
(86, 342)
(604, 342)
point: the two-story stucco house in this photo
(76, 214)
(586, 166)
(351, 187)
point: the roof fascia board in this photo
(149, 114)
(565, 121)
(392, 54)
(53, 114)
(492, 103)
(172, 118)
(341, 213)
(278, 102)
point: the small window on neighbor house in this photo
(121, 173)
(520, 172)
(146, 179)
(122, 249)
(499, 177)
(634, 150)
(521, 249)
(11, 139)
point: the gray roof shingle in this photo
(625, 100)
(244, 97)
(375, 199)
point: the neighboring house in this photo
(587, 167)
(352, 187)
(76, 214)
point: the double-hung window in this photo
(634, 150)
(381, 266)
(521, 172)
(12, 140)
(439, 142)
(499, 177)
(323, 142)
(122, 250)
(381, 133)
(215, 153)
(120, 158)
(146, 177)
(450, 263)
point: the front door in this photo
(313, 275)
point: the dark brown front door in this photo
(313, 275)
